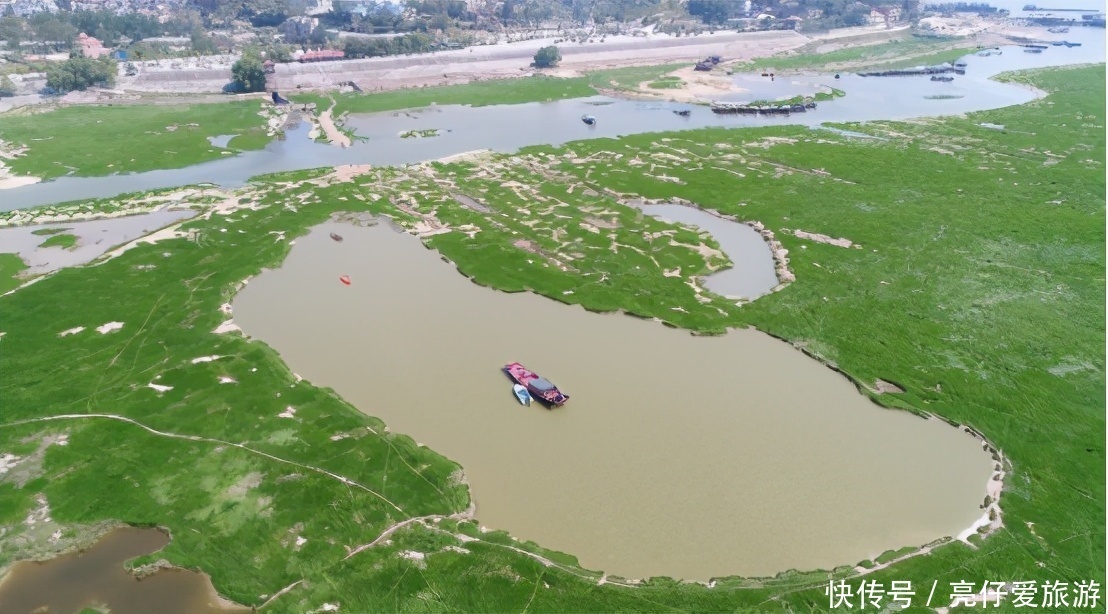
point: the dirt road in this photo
(485, 62)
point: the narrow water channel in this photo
(97, 578)
(753, 271)
(507, 128)
(692, 457)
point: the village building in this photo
(91, 47)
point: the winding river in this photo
(507, 128)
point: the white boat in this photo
(522, 394)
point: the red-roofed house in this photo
(91, 47)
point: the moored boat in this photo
(522, 394)
(336, 237)
(539, 387)
(588, 119)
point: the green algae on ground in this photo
(48, 231)
(900, 53)
(477, 93)
(90, 141)
(11, 266)
(978, 287)
(65, 241)
(537, 88)
(666, 83)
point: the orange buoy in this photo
(344, 279)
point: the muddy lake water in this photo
(693, 457)
(97, 578)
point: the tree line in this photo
(51, 32)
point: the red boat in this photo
(539, 387)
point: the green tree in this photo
(51, 31)
(202, 43)
(248, 73)
(80, 72)
(11, 32)
(547, 57)
(7, 88)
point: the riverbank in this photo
(152, 131)
(966, 298)
(96, 576)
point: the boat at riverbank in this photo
(539, 387)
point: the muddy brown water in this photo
(692, 457)
(97, 578)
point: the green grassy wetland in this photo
(978, 289)
(90, 141)
(898, 53)
(101, 140)
(66, 241)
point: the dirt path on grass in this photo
(345, 480)
(334, 135)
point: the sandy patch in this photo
(109, 327)
(248, 482)
(223, 379)
(7, 461)
(8, 179)
(334, 135)
(883, 387)
(821, 238)
(159, 387)
(290, 412)
(71, 331)
(226, 327)
(347, 172)
(197, 361)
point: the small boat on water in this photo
(345, 279)
(589, 119)
(942, 78)
(336, 237)
(539, 387)
(683, 112)
(522, 394)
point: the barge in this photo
(539, 387)
(729, 108)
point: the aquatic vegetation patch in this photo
(419, 133)
(65, 241)
(667, 83)
(48, 231)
